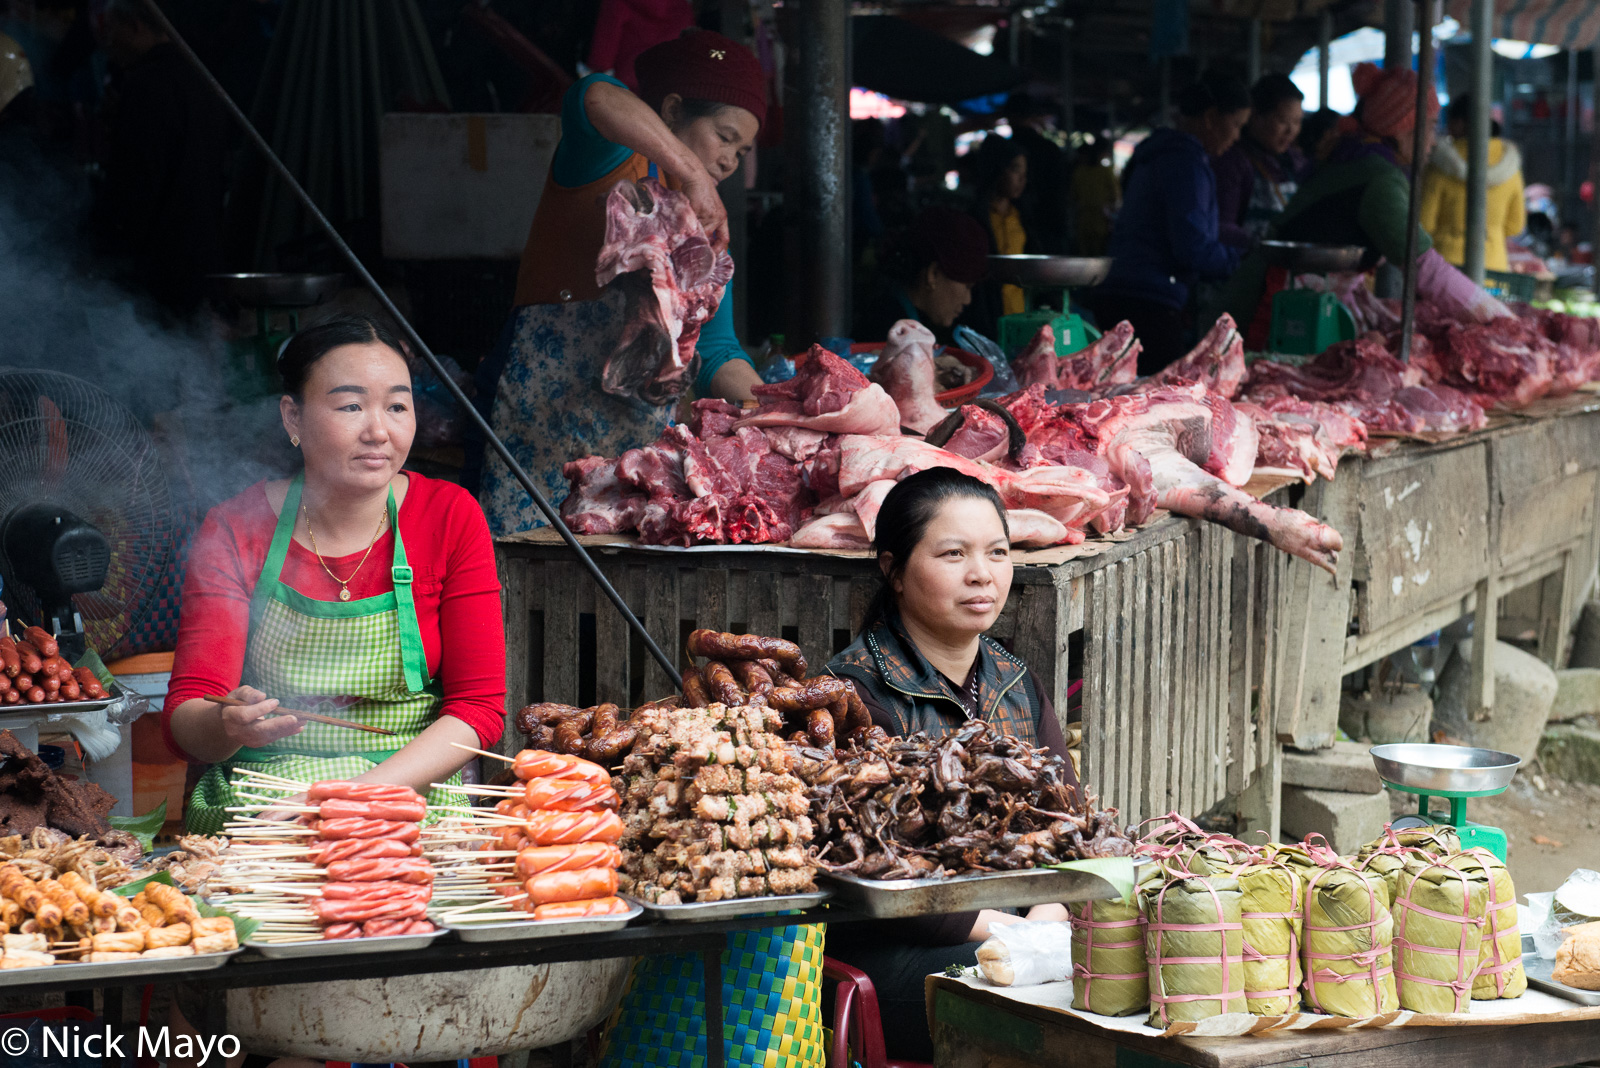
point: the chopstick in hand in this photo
(316, 717)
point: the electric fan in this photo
(85, 519)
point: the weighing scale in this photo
(252, 367)
(1453, 771)
(1305, 321)
(1042, 277)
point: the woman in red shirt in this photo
(354, 589)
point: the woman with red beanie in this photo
(1360, 196)
(701, 102)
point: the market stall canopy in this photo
(905, 61)
(1563, 23)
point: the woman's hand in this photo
(253, 725)
(707, 205)
(1049, 912)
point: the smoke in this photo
(61, 311)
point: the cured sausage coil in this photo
(611, 746)
(720, 684)
(750, 675)
(718, 646)
(695, 692)
(812, 693)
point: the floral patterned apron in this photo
(361, 660)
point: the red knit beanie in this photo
(1388, 105)
(702, 65)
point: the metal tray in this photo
(59, 708)
(887, 899)
(1444, 768)
(157, 969)
(516, 930)
(1299, 256)
(341, 947)
(1044, 271)
(704, 911)
(1539, 970)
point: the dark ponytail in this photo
(301, 352)
(904, 517)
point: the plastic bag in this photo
(1027, 953)
(1577, 901)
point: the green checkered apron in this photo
(360, 660)
(771, 998)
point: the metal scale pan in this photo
(1050, 272)
(1298, 257)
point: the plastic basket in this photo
(1508, 285)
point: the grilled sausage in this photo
(857, 717)
(604, 719)
(694, 690)
(362, 828)
(566, 910)
(569, 739)
(751, 676)
(49, 684)
(720, 684)
(576, 885)
(609, 748)
(812, 693)
(329, 789)
(32, 662)
(42, 640)
(568, 795)
(10, 659)
(89, 683)
(70, 691)
(534, 764)
(717, 646)
(540, 859)
(35, 696)
(410, 810)
(563, 828)
(819, 725)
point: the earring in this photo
(294, 439)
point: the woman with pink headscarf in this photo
(1360, 196)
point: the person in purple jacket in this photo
(1166, 236)
(1258, 175)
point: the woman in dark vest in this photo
(923, 663)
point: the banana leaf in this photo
(1389, 866)
(1348, 944)
(1189, 918)
(1438, 930)
(1437, 840)
(1108, 964)
(1273, 911)
(1500, 973)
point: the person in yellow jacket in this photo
(1444, 193)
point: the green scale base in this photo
(1071, 332)
(1473, 835)
(1304, 322)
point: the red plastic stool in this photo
(856, 1024)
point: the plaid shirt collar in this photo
(903, 668)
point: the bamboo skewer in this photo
(315, 717)
(485, 753)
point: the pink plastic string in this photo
(1501, 966)
(1252, 955)
(1221, 927)
(1462, 985)
(1085, 971)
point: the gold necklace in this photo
(344, 584)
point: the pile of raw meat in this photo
(1085, 446)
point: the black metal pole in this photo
(1419, 147)
(819, 125)
(414, 338)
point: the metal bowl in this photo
(1299, 256)
(1445, 768)
(1064, 271)
(278, 290)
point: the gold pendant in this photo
(344, 593)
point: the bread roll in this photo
(177, 934)
(23, 958)
(107, 957)
(215, 943)
(119, 942)
(23, 943)
(167, 951)
(1578, 958)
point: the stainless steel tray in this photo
(703, 911)
(157, 969)
(501, 931)
(59, 708)
(341, 947)
(887, 899)
(1539, 970)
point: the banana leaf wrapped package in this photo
(1188, 849)
(1194, 941)
(1500, 973)
(1109, 974)
(1436, 840)
(1438, 930)
(1272, 907)
(1389, 864)
(1348, 943)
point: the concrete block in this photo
(1577, 694)
(1571, 753)
(1386, 717)
(1347, 768)
(1524, 691)
(1348, 821)
(1586, 638)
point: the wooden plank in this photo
(764, 611)
(1117, 645)
(1138, 643)
(1036, 641)
(1241, 650)
(611, 639)
(1311, 612)
(711, 609)
(1538, 516)
(1172, 619)
(1095, 726)
(1156, 689)
(514, 611)
(661, 615)
(1205, 750)
(560, 586)
(1222, 575)
(813, 609)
